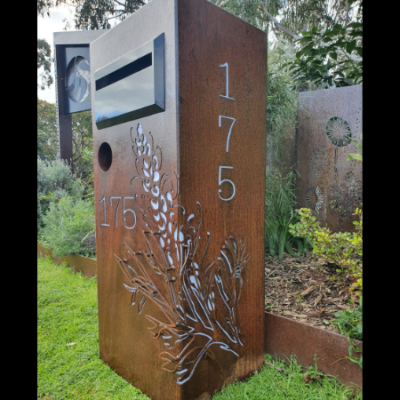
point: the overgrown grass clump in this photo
(69, 366)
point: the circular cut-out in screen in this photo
(338, 132)
(105, 156)
(77, 80)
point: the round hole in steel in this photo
(105, 156)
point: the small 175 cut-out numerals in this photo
(125, 211)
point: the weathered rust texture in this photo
(208, 38)
(218, 281)
(327, 181)
(312, 345)
(126, 344)
(77, 263)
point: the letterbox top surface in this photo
(77, 37)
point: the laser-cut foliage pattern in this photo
(171, 273)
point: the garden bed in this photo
(301, 288)
(69, 366)
(289, 329)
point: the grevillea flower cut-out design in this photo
(171, 272)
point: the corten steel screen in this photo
(329, 184)
(180, 203)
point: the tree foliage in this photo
(303, 15)
(94, 14)
(82, 145)
(44, 61)
(46, 130)
(43, 7)
(330, 57)
(327, 35)
(281, 98)
(294, 16)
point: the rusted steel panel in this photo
(126, 343)
(329, 120)
(86, 265)
(208, 39)
(186, 246)
(284, 337)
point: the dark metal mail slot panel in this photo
(131, 87)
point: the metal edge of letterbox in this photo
(77, 37)
(312, 345)
(129, 116)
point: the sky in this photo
(46, 26)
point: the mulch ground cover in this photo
(300, 288)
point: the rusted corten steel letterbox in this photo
(179, 140)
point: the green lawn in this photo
(67, 313)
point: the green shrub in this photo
(344, 249)
(69, 224)
(282, 99)
(280, 200)
(53, 178)
(350, 324)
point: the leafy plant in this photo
(330, 57)
(344, 249)
(68, 224)
(355, 156)
(281, 98)
(349, 322)
(280, 200)
(54, 178)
